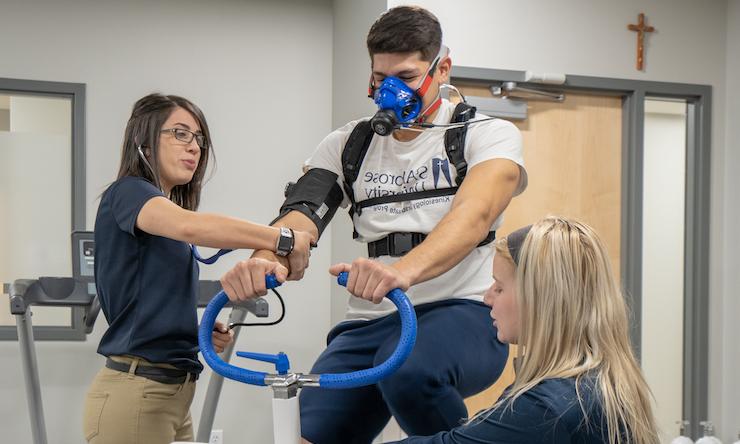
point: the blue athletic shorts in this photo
(456, 355)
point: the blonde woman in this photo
(577, 380)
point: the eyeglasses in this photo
(187, 136)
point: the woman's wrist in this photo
(275, 236)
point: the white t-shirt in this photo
(392, 167)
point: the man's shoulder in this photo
(350, 126)
(488, 123)
(340, 135)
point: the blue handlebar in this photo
(206, 341)
(333, 381)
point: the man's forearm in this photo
(456, 235)
(296, 221)
(487, 191)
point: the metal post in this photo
(31, 372)
(216, 382)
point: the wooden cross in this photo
(641, 30)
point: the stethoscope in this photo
(193, 249)
(208, 260)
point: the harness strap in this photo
(398, 244)
(404, 197)
(358, 143)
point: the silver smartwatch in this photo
(285, 242)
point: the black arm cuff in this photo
(317, 195)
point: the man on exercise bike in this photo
(426, 182)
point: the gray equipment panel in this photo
(77, 292)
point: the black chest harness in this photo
(398, 244)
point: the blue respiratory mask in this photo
(397, 104)
(400, 105)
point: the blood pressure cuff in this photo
(316, 194)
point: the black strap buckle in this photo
(398, 244)
(402, 243)
(395, 244)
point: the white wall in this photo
(583, 37)
(730, 326)
(663, 259)
(261, 71)
(351, 69)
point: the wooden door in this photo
(573, 157)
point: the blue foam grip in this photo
(205, 340)
(395, 360)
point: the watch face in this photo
(285, 242)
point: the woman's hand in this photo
(298, 258)
(247, 279)
(221, 336)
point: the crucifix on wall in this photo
(641, 29)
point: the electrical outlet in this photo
(217, 437)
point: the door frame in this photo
(75, 92)
(697, 210)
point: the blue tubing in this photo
(210, 260)
(205, 341)
(331, 381)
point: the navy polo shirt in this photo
(147, 284)
(549, 413)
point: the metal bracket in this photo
(286, 386)
(506, 89)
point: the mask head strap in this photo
(430, 110)
(426, 82)
(515, 240)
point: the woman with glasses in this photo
(577, 380)
(147, 277)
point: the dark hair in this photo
(406, 29)
(143, 130)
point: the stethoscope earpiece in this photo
(146, 162)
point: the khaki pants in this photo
(122, 408)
